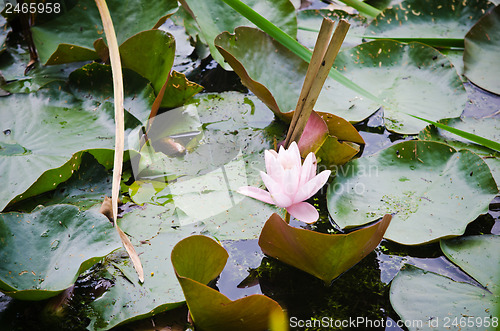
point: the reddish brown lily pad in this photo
(325, 256)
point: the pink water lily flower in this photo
(289, 182)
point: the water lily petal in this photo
(311, 187)
(273, 152)
(291, 181)
(256, 193)
(281, 199)
(290, 157)
(304, 212)
(294, 152)
(273, 166)
(308, 169)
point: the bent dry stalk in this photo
(116, 70)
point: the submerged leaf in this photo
(325, 256)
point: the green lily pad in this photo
(309, 23)
(433, 189)
(486, 127)
(70, 37)
(434, 22)
(86, 188)
(214, 17)
(482, 45)
(199, 259)
(93, 84)
(411, 78)
(40, 132)
(300, 247)
(179, 90)
(439, 302)
(63, 242)
(151, 54)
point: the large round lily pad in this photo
(410, 78)
(439, 302)
(43, 253)
(433, 190)
(435, 22)
(40, 132)
(482, 46)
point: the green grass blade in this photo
(464, 134)
(363, 8)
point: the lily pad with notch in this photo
(433, 189)
(436, 300)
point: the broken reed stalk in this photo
(315, 77)
(320, 47)
(116, 69)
